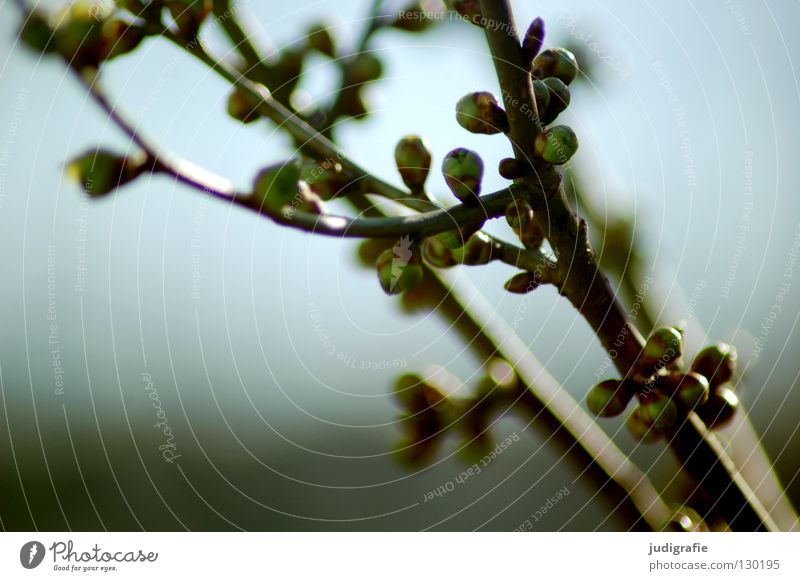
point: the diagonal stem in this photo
(700, 452)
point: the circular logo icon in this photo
(31, 554)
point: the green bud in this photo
(640, 429)
(79, 33)
(609, 398)
(558, 101)
(512, 169)
(120, 38)
(413, 158)
(463, 172)
(435, 253)
(477, 250)
(369, 250)
(366, 67)
(325, 178)
(481, 113)
(522, 283)
(519, 214)
(664, 346)
(399, 268)
(557, 144)
(717, 363)
(556, 62)
(409, 392)
(319, 38)
(242, 108)
(277, 186)
(101, 172)
(458, 237)
(37, 33)
(468, 9)
(658, 411)
(720, 407)
(532, 43)
(541, 92)
(692, 389)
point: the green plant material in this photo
(691, 389)
(189, 15)
(120, 38)
(519, 214)
(477, 251)
(436, 254)
(512, 169)
(399, 268)
(366, 68)
(370, 248)
(413, 158)
(557, 144)
(541, 93)
(720, 408)
(459, 236)
(242, 107)
(558, 100)
(556, 62)
(325, 178)
(414, 18)
(320, 39)
(664, 346)
(717, 363)
(522, 283)
(609, 398)
(463, 173)
(480, 112)
(657, 410)
(640, 429)
(532, 42)
(37, 33)
(101, 171)
(276, 187)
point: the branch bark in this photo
(588, 290)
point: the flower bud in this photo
(37, 33)
(717, 363)
(481, 113)
(399, 268)
(664, 346)
(532, 43)
(276, 187)
(319, 38)
(512, 169)
(459, 236)
(519, 214)
(558, 101)
(241, 107)
(189, 14)
(78, 34)
(556, 62)
(609, 398)
(325, 178)
(366, 67)
(469, 9)
(477, 250)
(531, 235)
(541, 92)
(435, 253)
(119, 38)
(720, 407)
(557, 144)
(640, 429)
(657, 410)
(522, 283)
(408, 391)
(463, 172)
(691, 389)
(101, 172)
(369, 250)
(413, 158)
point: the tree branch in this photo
(588, 289)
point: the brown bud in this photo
(532, 43)
(522, 283)
(512, 169)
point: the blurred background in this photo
(271, 353)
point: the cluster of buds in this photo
(84, 33)
(434, 405)
(666, 393)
